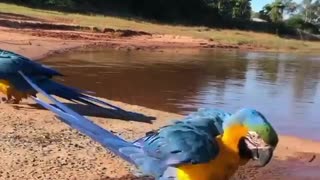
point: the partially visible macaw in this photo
(206, 145)
(16, 88)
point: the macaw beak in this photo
(261, 155)
(258, 150)
(255, 148)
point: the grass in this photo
(255, 39)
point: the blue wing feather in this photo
(189, 140)
(217, 117)
(106, 138)
(11, 63)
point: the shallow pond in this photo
(285, 87)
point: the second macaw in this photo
(206, 145)
(16, 88)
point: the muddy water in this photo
(285, 87)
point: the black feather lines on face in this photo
(244, 151)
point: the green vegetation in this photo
(227, 36)
(304, 16)
(231, 14)
(273, 12)
(173, 11)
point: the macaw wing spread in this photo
(209, 120)
(11, 63)
(190, 140)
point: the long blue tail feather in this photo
(84, 125)
(101, 102)
(73, 94)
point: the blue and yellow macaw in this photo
(16, 88)
(208, 144)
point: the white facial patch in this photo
(253, 140)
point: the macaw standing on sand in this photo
(16, 88)
(206, 145)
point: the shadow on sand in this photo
(96, 111)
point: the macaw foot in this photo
(3, 99)
(134, 171)
(9, 101)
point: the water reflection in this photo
(283, 86)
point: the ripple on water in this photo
(285, 87)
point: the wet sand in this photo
(35, 145)
(46, 42)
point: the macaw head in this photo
(259, 139)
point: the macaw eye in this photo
(254, 112)
(254, 135)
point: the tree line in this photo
(217, 13)
(192, 11)
(304, 15)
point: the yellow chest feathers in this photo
(224, 165)
(7, 89)
(4, 86)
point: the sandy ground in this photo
(43, 41)
(35, 145)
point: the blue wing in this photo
(217, 117)
(73, 119)
(11, 63)
(190, 140)
(126, 150)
